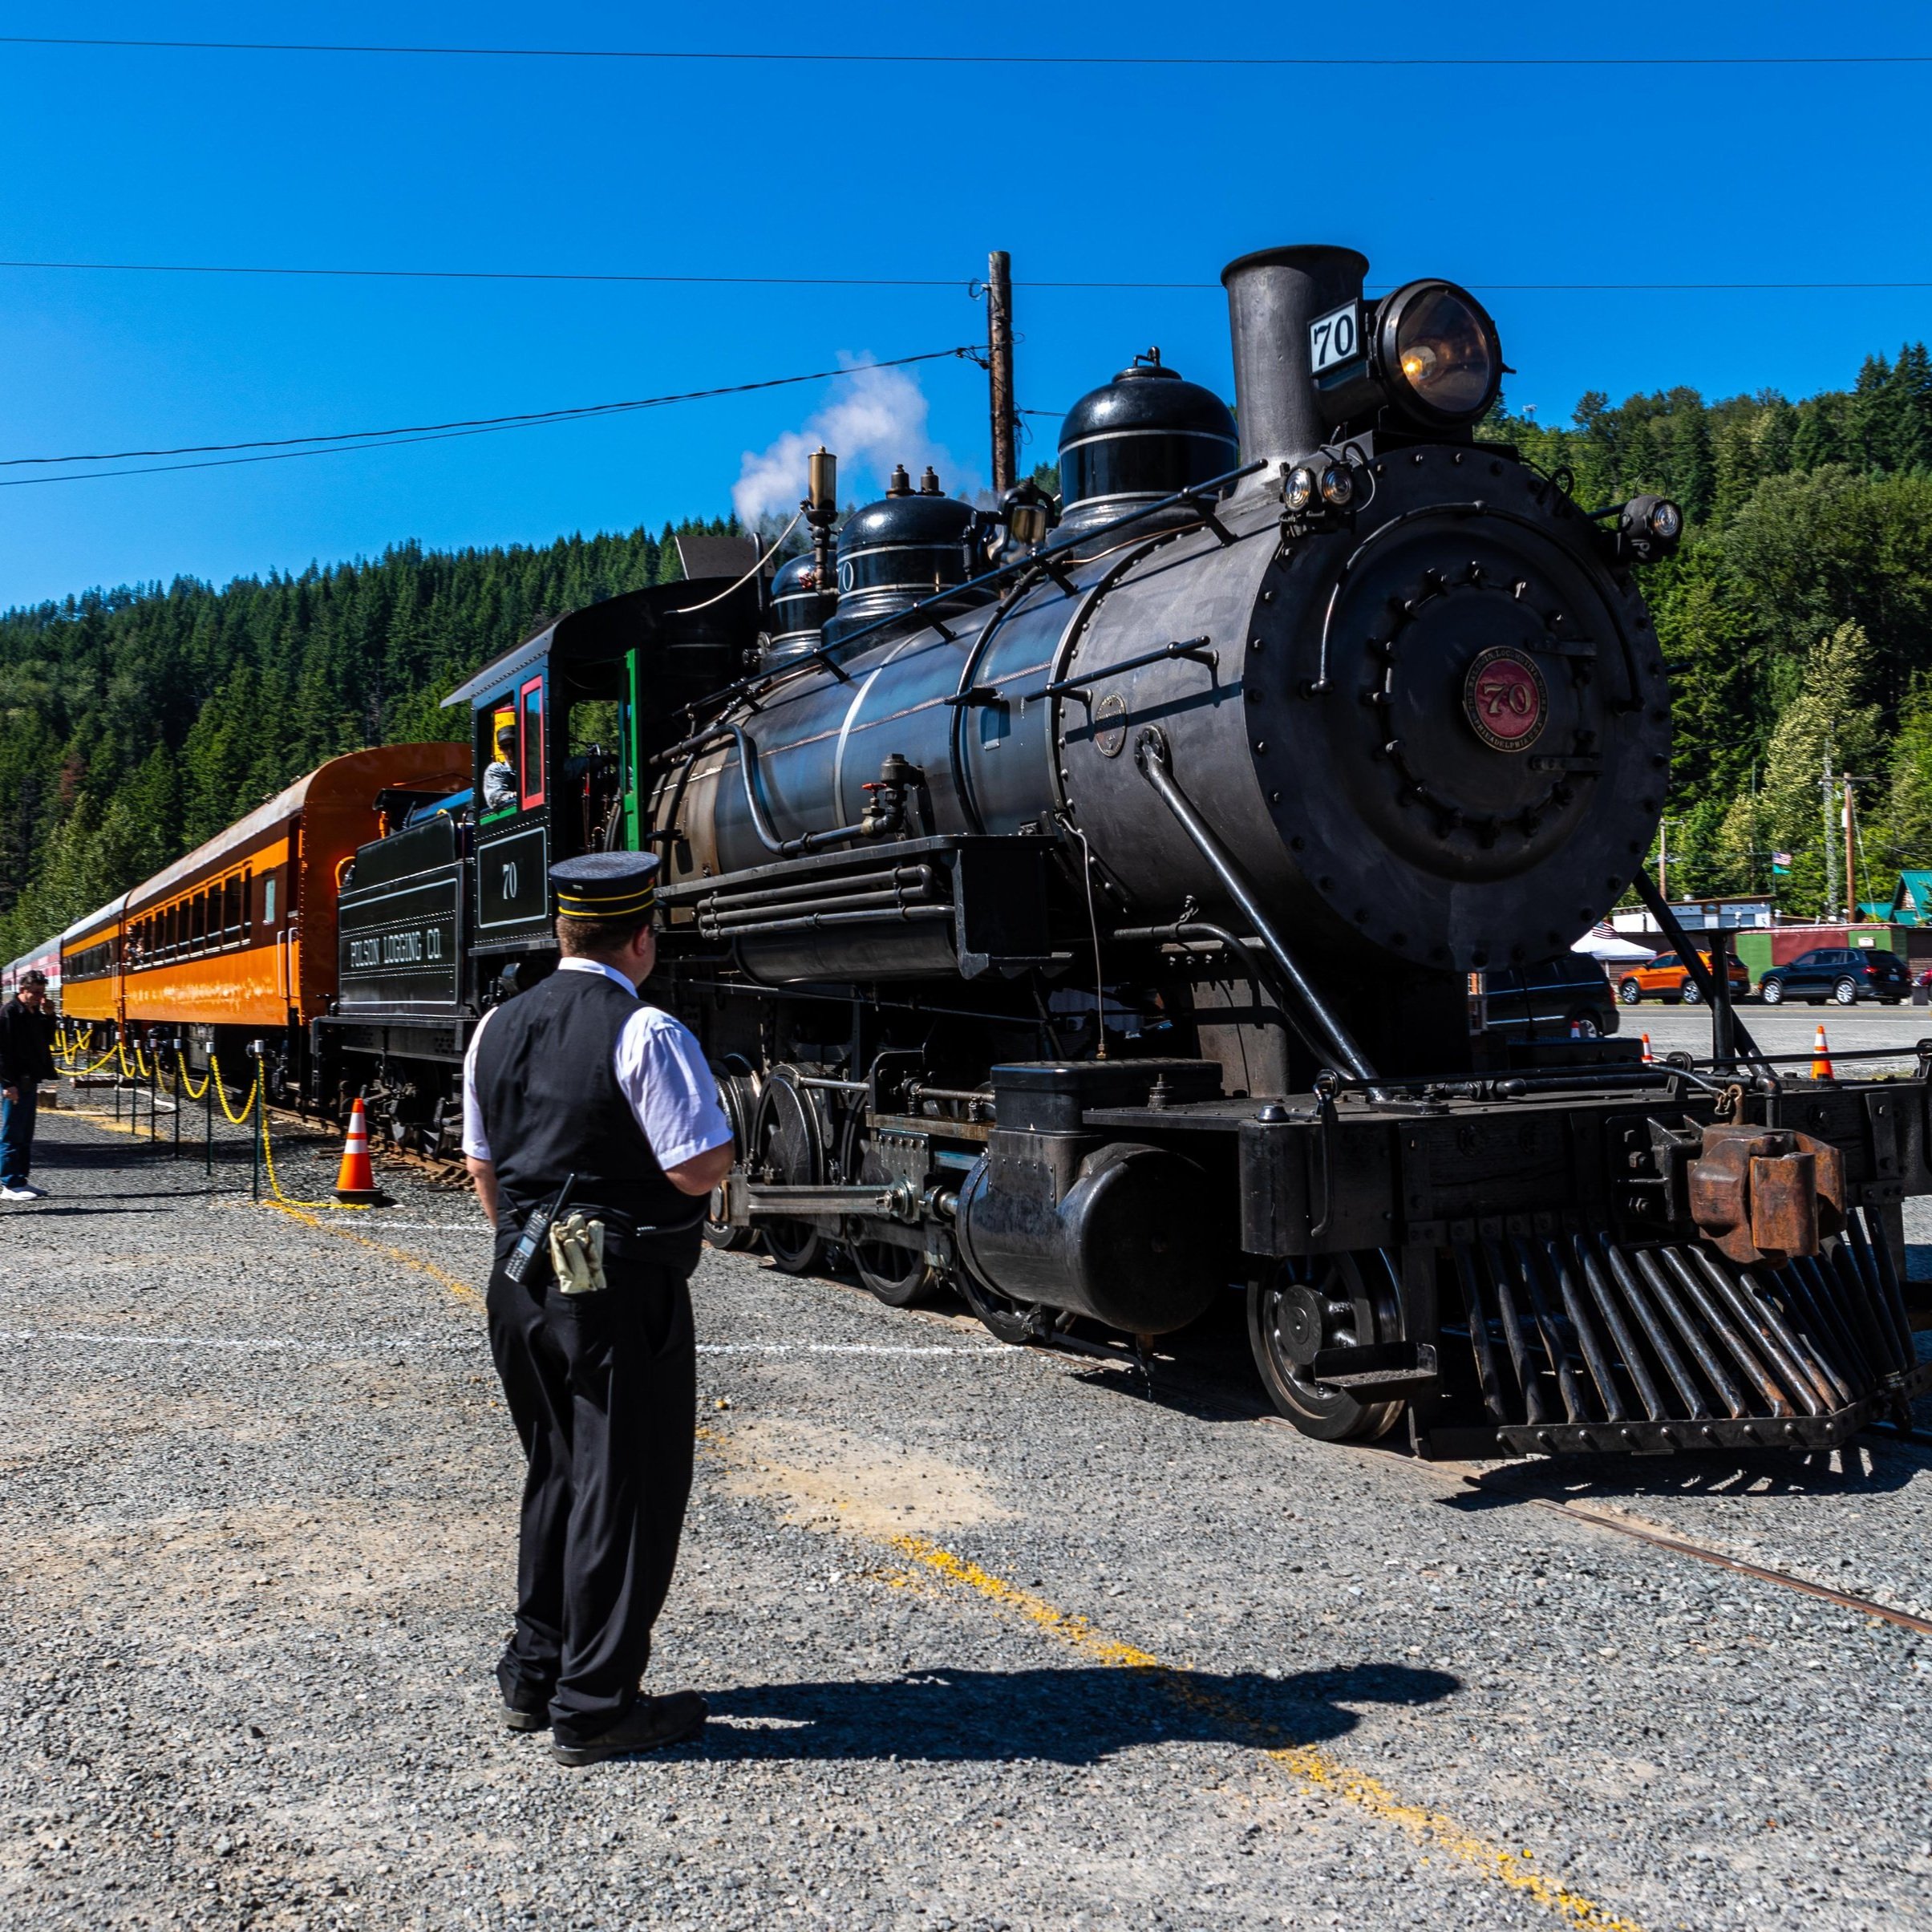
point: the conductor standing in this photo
(577, 1081)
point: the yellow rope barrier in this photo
(187, 1085)
(146, 1071)
(268, 1159)
(247, 1106)
(68, 1058)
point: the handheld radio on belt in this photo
(534, 1231)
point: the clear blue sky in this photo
(1714, 174)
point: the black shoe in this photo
(651, 1723)
(515, 1720)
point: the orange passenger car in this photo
(240, 934)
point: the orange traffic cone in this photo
(1650, 1058)
(1822, 1057)
(355, 1179)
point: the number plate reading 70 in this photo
(1335, 337)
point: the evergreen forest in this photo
(1796, 616)
(136, 722)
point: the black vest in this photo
(551, 1105)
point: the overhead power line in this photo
(335, 443)
(820, 57)
(967, 284)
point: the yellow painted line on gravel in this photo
(401, 1256)
(1307, 1763)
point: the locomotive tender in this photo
(1084, 906)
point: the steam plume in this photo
(876, 418)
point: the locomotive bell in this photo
(1141, 437)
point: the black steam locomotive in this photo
(1087, 905)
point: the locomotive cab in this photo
(452, 912)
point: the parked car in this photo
(1667, 978)
(1566, 997)
(1842, 973)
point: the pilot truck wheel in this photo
(1323, 1300)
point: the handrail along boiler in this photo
(1081, 903)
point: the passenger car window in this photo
(1664, 959)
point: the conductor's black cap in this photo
(607, 885)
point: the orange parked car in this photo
(1667, 978)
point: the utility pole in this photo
(1663, 858)
(1828, 785)
(999, 365)
(1848, 779)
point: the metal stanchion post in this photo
(208, 1121)
(178, 1083)
(258, 1119)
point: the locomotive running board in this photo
(1581, 1343)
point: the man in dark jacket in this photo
(26, 1058)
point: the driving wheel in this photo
(737, 1096)
(897, 1275)
(788, 1150)
(1317, 1301)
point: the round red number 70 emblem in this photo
(1504, 699)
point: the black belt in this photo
(625, 1224)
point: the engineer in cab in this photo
(594, 1134)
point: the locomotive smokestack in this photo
(1273, 296)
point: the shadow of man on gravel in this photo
(1075, 1716)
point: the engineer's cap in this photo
(606, 884)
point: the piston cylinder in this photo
(1123, 1246)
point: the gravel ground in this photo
(992, 1638)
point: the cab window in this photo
(530, 741)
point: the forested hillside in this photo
(1797, 617)
(135, 724)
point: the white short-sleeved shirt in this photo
(660, 1070)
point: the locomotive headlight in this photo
(1440, 360)
(1649, 527)
(1299, 491)
(1337, 486)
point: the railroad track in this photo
(1208, 1393)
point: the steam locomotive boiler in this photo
(1087, 905)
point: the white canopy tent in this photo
(1600, 943)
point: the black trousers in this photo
(603, 1390)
